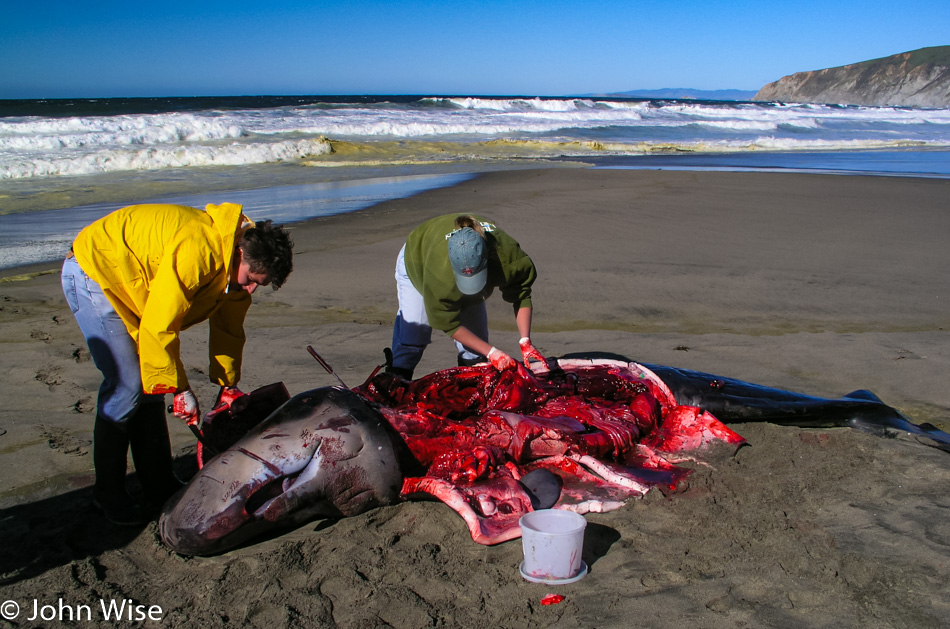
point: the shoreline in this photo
(812, 283)
(300, 185)
(37, 194)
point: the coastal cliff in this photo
(920, 78)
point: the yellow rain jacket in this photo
(165, 268)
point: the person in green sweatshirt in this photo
(447, 269)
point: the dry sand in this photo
(815, 283)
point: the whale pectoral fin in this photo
(223, 427)
(543, 487)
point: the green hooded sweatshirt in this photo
(427, 264)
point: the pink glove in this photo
(530, 352)
(226, 396)
(185, 406)
(500, 360)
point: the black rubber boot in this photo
(152, 453)
(110, 449)
(398, 371)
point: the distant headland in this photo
(920, 78)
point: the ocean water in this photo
(317, 154)
(33, 237)
(96, 136)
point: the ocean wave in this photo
(740, 125)
(520, 104)
(49, 133)
(50, 146)
(156, 158)
(590, 106)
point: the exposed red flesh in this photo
(605, 429)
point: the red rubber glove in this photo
(530, 352)
(185, 406)
(226, 396)
(500, 360)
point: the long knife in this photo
(326, 366)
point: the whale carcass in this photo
(492, 445)
(585, 435)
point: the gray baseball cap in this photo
(469, 258)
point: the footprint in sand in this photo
(50, 376)
(84, 405)
(8, 304)
(62, 441)
(81, 355)
(40, 335)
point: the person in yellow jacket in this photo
(134, 280)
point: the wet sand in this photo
(814, 283)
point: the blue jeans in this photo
(412, 332)
(113, 350)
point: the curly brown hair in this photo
(268, 249)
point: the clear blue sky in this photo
(106, 48)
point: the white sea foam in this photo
(740, 125)
(158, 157)
(43, 147)
(102, 130)
(521, 104)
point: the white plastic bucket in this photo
(553, 540)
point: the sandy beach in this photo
(814, 283)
